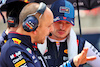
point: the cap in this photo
(63, 10)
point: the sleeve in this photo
(16, 57)
(69, 63)
(92, 51)
(1, 41)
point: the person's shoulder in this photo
(9, 52)
(9, 46)
(1, 39)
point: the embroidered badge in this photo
(16, 41)
(66, 51)
(46, 50)
(29, 50)
(20, 63)
(15, 55)
(57, 43)
(64, 9)
(18, 60)
(34, 58)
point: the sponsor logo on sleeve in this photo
(34, 58)
(18, 60)
(16, 41)
(29, 50)
(15, 55)
(20, 63)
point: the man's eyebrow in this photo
(67, 22)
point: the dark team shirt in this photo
(18, 52)
(54, 57)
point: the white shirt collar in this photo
(53, 40)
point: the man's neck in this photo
(54, 40)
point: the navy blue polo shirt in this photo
(18, 52)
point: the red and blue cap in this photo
(63, 10)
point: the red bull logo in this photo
(16, 41)
(64, 9)
(10, 21)
(66, 51)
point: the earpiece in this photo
(13, 21)
(30, 23)
(12, 18)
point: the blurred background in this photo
(2, 24)
(90, 25)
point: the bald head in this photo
(32, 8)
(28, 9)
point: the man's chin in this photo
(41, 42)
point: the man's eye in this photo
(59, 22)
(67, 23)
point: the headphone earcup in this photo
(30, 23)
(13, 21)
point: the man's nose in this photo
(62, 26)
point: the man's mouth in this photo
(61, 32)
